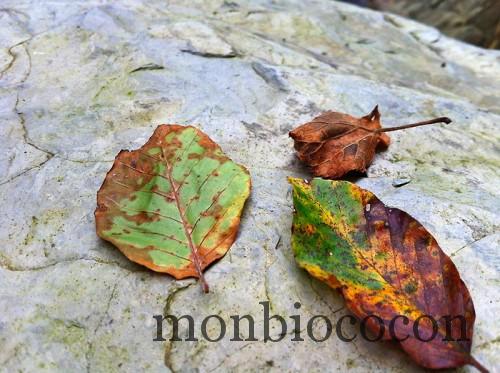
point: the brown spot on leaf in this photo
(309, 229)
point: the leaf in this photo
(334, 144)
(173, 205)
(385, 264)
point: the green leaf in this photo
(174, 205)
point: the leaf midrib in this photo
(185, 224)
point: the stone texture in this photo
(81, 80)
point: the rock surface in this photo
(81, 80)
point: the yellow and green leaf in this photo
(385, 264)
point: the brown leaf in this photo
(334, 144)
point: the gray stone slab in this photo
(81, 80)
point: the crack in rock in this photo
(271, 76)
(10, 267)
(90, 343)
(22, 120)
(40, 165)
(317, 56)
(166, 311)
(210, 55)
(470, 244)
(149, 66)
(227, 357)
(11, 62)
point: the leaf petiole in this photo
(445, 120)
(478, 365)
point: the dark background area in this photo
(473, 21)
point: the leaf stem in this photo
(478, 365)
(445, 120)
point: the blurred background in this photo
(474, 21)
